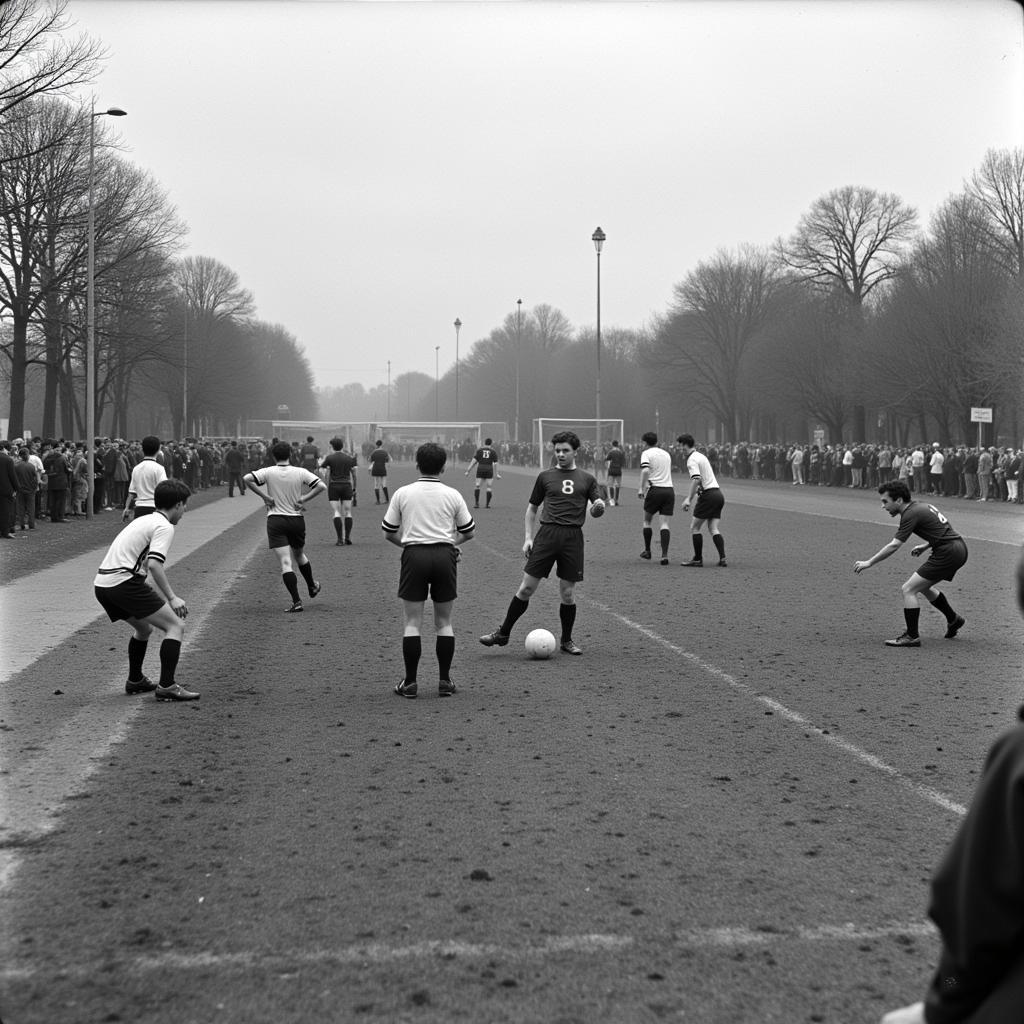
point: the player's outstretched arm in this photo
(893, 546)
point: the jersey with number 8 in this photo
(564, 493)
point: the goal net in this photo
(595, 436)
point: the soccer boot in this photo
(955, 626)
(404, 689)
(904, 640)
(445, 688)
(696, 563)
(143, 685)
(569, 647)
(174, 692)
(495, 639)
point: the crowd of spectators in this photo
(48, 479)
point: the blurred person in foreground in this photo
(977, 899)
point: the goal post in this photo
(595, 436)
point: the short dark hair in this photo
(168, 493)
(430, 458)
(896, 489)
(150, 444)
(281, 450)
(649, 438)
(487, 440)
(686, 439)
(567, 437)
(337, 444)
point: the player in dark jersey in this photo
(564, 493)
(614, 460)
(486, 461)
(948, 554)
(379, 460)
(340, 466)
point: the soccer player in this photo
(379, 460)
(710, 501)
(657, 493)
(564, 493)
(340, 466)
(286, 490)
(614, 460)
(948, 554)
(429, 521)
(124, 592)
(486, 462)
(145, 477)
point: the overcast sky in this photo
(373, 170)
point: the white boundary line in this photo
(593, 944)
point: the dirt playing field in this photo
(725, 812)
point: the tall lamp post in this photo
(458, 327)
(598, 238)
(90, 314)
(389, 391)
(519, 338)
(437, 383)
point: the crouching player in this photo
(122, 588)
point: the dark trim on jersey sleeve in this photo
(467, 529)
(155, 556)
(387, 527)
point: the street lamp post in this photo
(519, 338)
(458, 327)
(389, 391)
(437, 383)
(90, 314)
(598, 238)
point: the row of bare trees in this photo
(862, 323)
(177, 344)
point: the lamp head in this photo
(458, 323)
(598, 238)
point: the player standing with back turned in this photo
(564, 493)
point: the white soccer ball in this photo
(540, 644)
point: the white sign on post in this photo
(981, 415)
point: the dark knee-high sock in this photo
(913, 616)
(445, 648)
(169, 653)
(136, 656)
(516, 610)
(648, 534)
(386, 498)
(698, 545)
(307, 573)
(412, 646)
(567, 616)
(666, 536)
(348, 527)
(488, 499)
(291, 582)
(942, 604)
(719, 543)
(476, 495)
(337, 526)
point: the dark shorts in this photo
(143, 510)
(614, 474)
(944, 561)
(339, 492)
(561, 545)
(378, 474)
(133, 599)
(429, 568)
(484, 474)
(286, 532)
(660, 501)
(709, 504)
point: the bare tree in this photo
(707, 341)
(851, 239)
(998, 185)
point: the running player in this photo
(614, 460)
(657, 493)
(428, 521)
(379, 460)
(285, 490)
(124, 592)
(710, 501)
(340, 466)
(564, 492)
(486, 461)
(948, 554)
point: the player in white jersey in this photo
(124, 592)
(657, 492)
(285, 490)
(710, 501)
(428, 521)
(145, 477)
